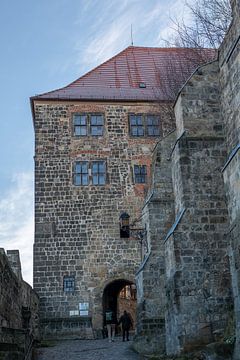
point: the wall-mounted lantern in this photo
(124, 225)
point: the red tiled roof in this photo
(119, 78)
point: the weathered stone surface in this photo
(157, 215)
(18, 308)
(77, 227)
(205, 193)
(197, 266)
(229, 59)
(184, 292)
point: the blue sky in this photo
(47, 44)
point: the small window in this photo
(140, 174)
(152, 123)
(69, 283)
(98, 173)
(136, 125)
(80, 125)
(96, 125)
(81, 176)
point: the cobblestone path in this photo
(88, 350)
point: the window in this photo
(80, 125)
(98, 173)
(140, 174)
(136, 125)
(96, 125)
(69, 283)
(81, 176)
(85, 173)
(88, 124)
(144, 125)
(152, 123)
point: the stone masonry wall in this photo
(205, 180)
(197, 264)
(77, 227)
(157, 215)
(229, 61)
(18, 307)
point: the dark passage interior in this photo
(118, 296)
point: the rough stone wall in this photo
(157, 216)
(205, 183)
(229, 62)
(197, 264)
(18, 307)
(77, 227)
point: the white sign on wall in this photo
(83, 308)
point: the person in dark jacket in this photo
(126, 322)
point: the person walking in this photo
(126, 322)
(111, 322)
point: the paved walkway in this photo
(88, 350)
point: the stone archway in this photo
(120, 295)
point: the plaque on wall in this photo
(83, 308)
(83, 312)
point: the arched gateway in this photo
(120, 295)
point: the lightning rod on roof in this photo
(131, 36)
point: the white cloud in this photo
(110, 32)
(17, 221)
(108, 35)
(176, 12)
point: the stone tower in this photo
(93, 152)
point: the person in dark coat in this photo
(126, 322)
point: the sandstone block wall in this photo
(18, 307)
(229, 61)
(77, 227)
(197, 265)
(205, 235)
(157, 216)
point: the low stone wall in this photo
(18, 309)
(67, 328)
